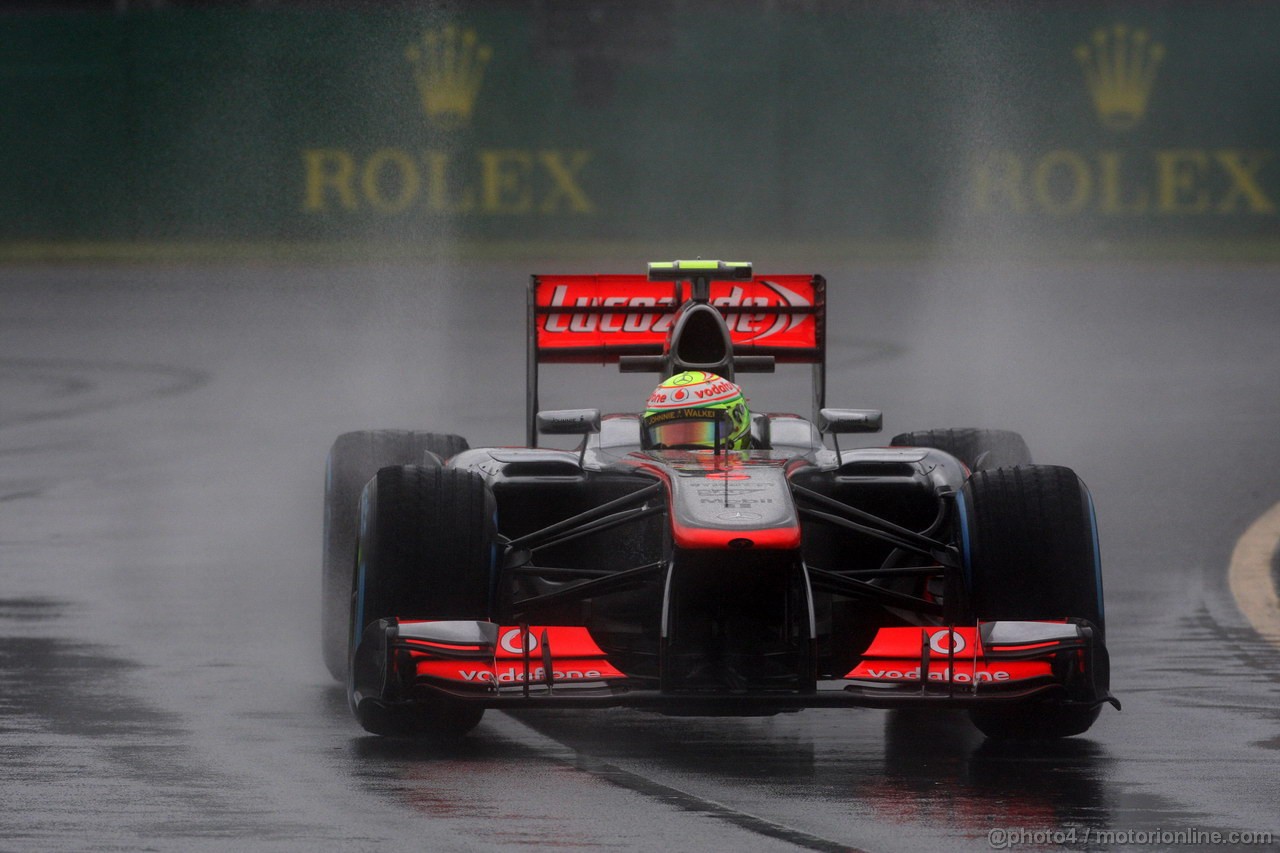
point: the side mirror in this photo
(569, 421)
(839, 421)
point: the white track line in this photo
(1250, 574)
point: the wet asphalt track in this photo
(162, 438)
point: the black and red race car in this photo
(941, 571)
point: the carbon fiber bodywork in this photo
(731, 583)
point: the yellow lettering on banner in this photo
(438, 198)
(1079, 181)
(489, 181)
(504, 178)
(1242, 168)
(1111, 199)
(1178, 181)
(1163, 182)
(564, 179)
(328, 169)
(404, 180)
(1000, 176)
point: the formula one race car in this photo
(715, 577)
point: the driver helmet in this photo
(692, 409)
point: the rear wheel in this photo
(1030, 552)
(979, 449)
(426, 551)
(353, 460)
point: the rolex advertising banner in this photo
(635, 122)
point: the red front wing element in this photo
(399, 664)
(573, 656)
(941, 656)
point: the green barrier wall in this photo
(999, 121)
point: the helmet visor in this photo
(688, 431)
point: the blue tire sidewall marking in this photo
(357, 626)
(1097, 550)
(964, 539)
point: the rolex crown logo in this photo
(448, 68)
(1120, 66)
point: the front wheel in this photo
(426, 550)
(354, 458)
(1030, 549)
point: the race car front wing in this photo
(403, 663)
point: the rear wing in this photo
(585, 319)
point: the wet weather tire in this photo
(1030, 552)
(426, 550)
(353, 460)
(979, 449)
